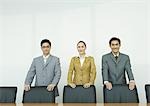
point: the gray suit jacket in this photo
(114, 71)
(46, 74)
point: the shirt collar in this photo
(45, 57)
(116, 54)
(82, 57)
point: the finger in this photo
(129, 87)
(49, 88)
(29, 88)
(26, 89)
(87, 86)
(74, 86)
(132, 87)
(84, 86)
(52, 88)
(110, 87)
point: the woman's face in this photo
(81, 48)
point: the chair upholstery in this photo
(147, 90)
(38, 95)
(8, 94)
(79, 94)
(120, 93)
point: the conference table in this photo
(74, 104)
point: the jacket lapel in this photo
(119, 58)
(113, 58)
(78, 62)
(47, 61)
(84, 62)
(42, 61)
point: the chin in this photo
(116, 51)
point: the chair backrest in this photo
(147, 90)
(79, 94)
(8, 94)
(38, 95)
(120, 93)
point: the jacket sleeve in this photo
(104, 69)
(57, 72)
(31, 73)
(93, 71)
(128, 69)
(70, 71)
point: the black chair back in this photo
(38, 95)
(8, 94)
(147, 90)
(79, 94)
(120, 93)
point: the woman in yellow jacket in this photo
(82, 70)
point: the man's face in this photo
(46, 48)
(115, 46)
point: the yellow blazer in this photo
(80, 75)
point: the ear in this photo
(109, 45)
(119, 45)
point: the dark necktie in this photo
(116, 57)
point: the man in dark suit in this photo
(114, 66)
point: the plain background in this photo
(24, 23)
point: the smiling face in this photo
(45, 48)
(81, 48)
(115, 46)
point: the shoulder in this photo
(106, 55)
(90, 57)
(74, 57)
(37, 58)
(54, 57)
(124, 55)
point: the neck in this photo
(46, 54)
(115, 53)
(82, 55)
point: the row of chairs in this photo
(119, 94)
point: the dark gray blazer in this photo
(114, 71)
(46, 74)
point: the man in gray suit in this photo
(46, 68)
(114, 66)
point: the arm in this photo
(130, 74)
(70, 72)
(31, 73)
(104, 70)
(57, 72)
(129, 70)
(92, 72)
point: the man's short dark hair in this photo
(114, 38)
(45, 41)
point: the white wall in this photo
(23, 24)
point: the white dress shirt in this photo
(45, 58)
(82, 59)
